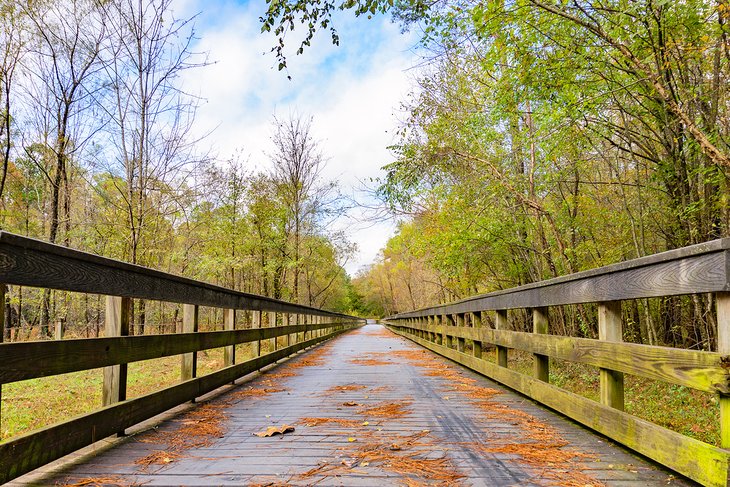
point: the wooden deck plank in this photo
(457, 429)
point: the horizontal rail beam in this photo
(704, 371)
(690, 270)
(699, 461)
(28, 360)
(36, 449)
(29, 262)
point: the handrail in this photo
(454, 328)
(695, 269)
(27, 261)
(30, 262)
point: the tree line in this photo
(548, 137)
(99, 153)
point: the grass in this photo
(678, 408)
(32, 404)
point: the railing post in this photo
(502, 323)
(272, 324)
(257, 315)
(229, 324)
(448, 321)
(460, 342)
(610, 328)
(476, 321)
(2, 337)
(540, 325)
(60, 328)
(286, 318)
(116, 324)
(723, 348)
(189, 364)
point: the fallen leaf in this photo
(275, 430)
(395, 447)
(366, 423)
(351, 439)
(350, 403)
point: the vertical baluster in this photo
(116, 325)
(476, 320)
(502, 323)
(723, 348)
(272, 323)
(189, 361)
(229, 324)
(541, 362)
(257, 318)
(460, 341)
(610, 328)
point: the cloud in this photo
(352, 91)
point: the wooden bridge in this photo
(434, 406)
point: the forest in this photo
(549, 137)
(541, 138)
(98, 154)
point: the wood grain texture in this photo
(27, 360)
(690, 270)
(116, 324)
(229, 324)
(541, 369)
(189, 361)
(38, 448)
(502, 323)
(704, 371)
(30, 262)
(610, 329)
(699, 461)
(723, 348)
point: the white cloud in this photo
(352, 91)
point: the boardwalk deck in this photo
(369, 408)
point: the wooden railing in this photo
(703, 268)
(30, 262)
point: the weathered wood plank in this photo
(38, 448)
(189, 365)
(229, 324)
(704, 371)
(699, 461)
(501, 323)
(28, 360)
(610, 329)
(30, 262)
(541, 362)
(696, 269)
(723, 348)
(116, 323)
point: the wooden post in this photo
(476, 321)
(542, 362)
(448, 321)
(189, 366)
(610, 328)
(286, 317)
(229, 323)
(723, 348)
(257, 315)
(502, 323)
(59, 330)
(2, 337)
(460, 342)
(116, 324)
(272, 323)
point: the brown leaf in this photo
(350, 403)
(275, 430)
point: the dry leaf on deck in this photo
(275, 430)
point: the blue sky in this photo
(353, 92)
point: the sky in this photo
(353, 92)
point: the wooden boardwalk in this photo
(368, 408)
